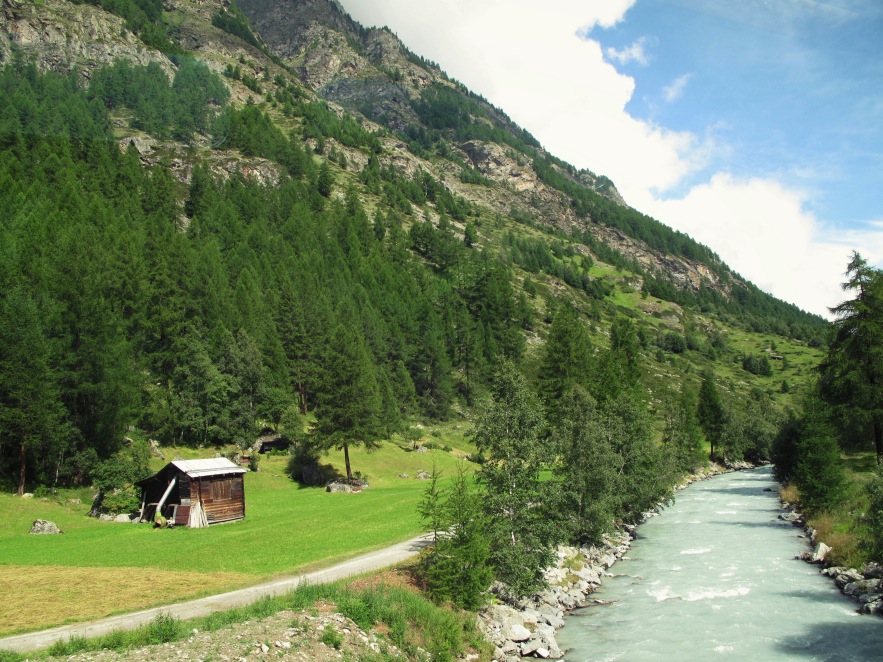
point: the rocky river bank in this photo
(865, 586)
(526, 627)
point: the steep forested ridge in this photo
(201, 245)
(195, 322)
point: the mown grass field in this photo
(95, 569)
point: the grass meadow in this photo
(95, 569)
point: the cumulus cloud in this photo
(763, 230)
(675, 91)
(550, 76)
(636, 52)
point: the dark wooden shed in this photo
(195, 493)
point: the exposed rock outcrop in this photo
(62, 36)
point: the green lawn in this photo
(287, 529)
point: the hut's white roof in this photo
(210, 467)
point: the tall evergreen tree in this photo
(32, 418)
(852, 372)
(710, 409)
(586, 468)
(350, 404)
(568, 357)
(682, 434)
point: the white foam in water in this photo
(727, 512)
(704, 550)
(663, 594)
(723, 649)
(711, 593)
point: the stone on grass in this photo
(338, 487)
(44, 527)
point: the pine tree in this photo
(31, 413)
(585, 469)
(682, 433)
(325, 181)
(350, 405)
(852, 372)
(568, 358)
(457, 568)
(710, 409)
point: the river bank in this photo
(864, 586)
(526, 627)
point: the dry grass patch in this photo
(400, 578)
(789, 493)
(845, 544)
(38, 597)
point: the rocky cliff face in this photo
(62, 36)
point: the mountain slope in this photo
(372, 73)
(202, 217)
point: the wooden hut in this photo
(195, 493)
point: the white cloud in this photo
(634, 53)
(764, 232)
(675, 91)
(544, 69)
(549, 76)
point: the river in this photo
(714, 578)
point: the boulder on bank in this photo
(821, 553)
(44, 527)
(338, 487)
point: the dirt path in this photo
(194, 608)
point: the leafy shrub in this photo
(332, 638)
(163, 629)
(757, 365)
(121, 501)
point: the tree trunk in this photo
(878, 439)
(21, 481)
(302, 397)
(346, 457)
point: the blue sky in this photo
(794, 89)
(756, 127)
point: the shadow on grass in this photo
(860, 462)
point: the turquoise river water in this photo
(714, 578)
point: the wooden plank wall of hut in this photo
(223, 498)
